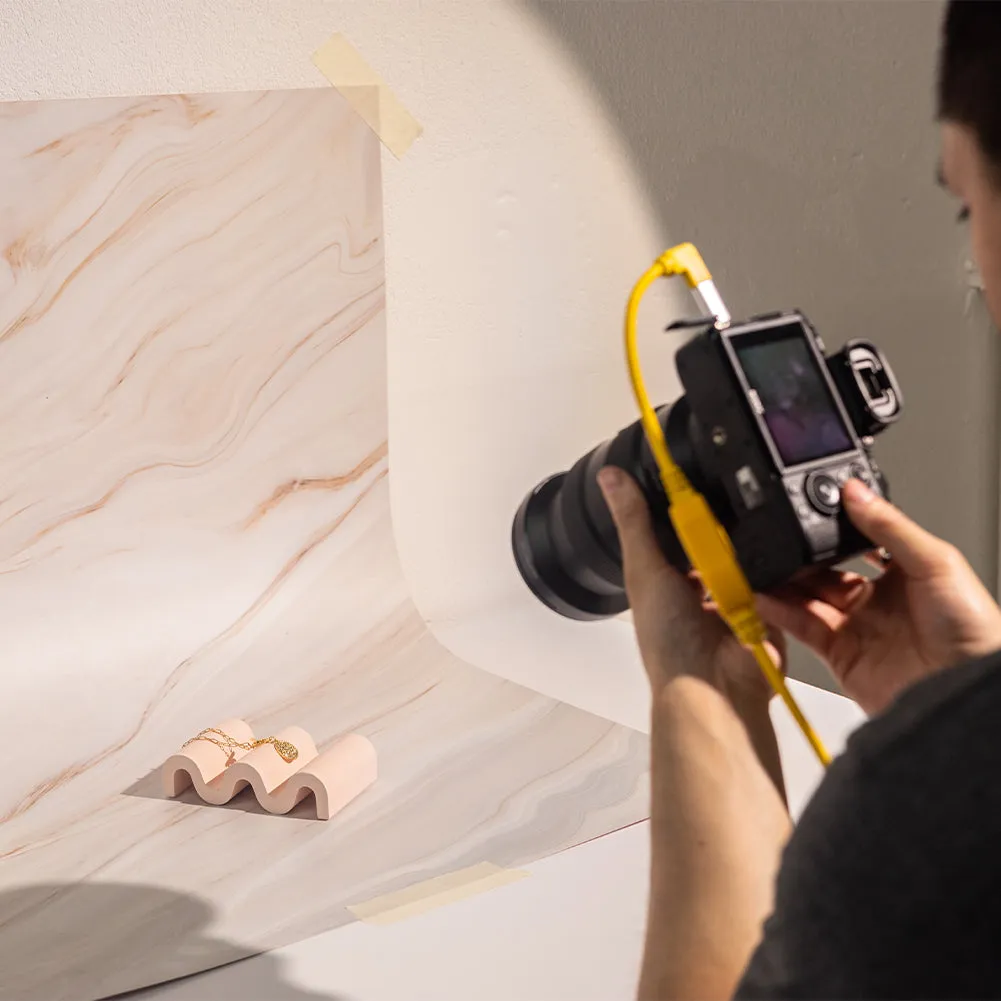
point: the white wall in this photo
(795, 144)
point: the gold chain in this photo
(289, 752)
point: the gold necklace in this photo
(289, 752)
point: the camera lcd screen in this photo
(798, 409)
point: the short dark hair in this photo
(969, 78)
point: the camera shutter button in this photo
(823, 492)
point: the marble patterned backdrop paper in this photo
(194, 525)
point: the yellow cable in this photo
(703, 538)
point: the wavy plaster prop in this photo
(335, 777)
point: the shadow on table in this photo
(89, 941)
(150, 786)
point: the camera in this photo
(768, 430)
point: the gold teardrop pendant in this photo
(289, 752)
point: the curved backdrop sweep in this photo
(195, 527)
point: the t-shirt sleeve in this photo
(889, 887)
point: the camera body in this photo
(775, 429)
(769, 429)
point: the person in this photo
(890, 884)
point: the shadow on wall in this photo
(88, 941)
(754, 129)
(795, 145)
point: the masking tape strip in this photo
(363, 89)
(436, 892)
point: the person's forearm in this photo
(718, 825)
(753, 713)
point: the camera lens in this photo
(564, 541)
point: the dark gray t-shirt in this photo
(890, 887)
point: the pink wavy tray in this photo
(334, 777)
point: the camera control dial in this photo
(823, 493)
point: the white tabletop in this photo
(572, 930)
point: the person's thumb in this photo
(918, 553)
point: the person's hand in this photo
(927, 611)
(678, 633)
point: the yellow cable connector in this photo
(686, 261)
(703, 538)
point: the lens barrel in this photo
(564, 541)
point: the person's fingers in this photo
(650, 580)
(843, 590)
(699, 590)
(814, 623)
(631, 513)
(666, 605)
(776, 645)
(917, 552)
(879, 559)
